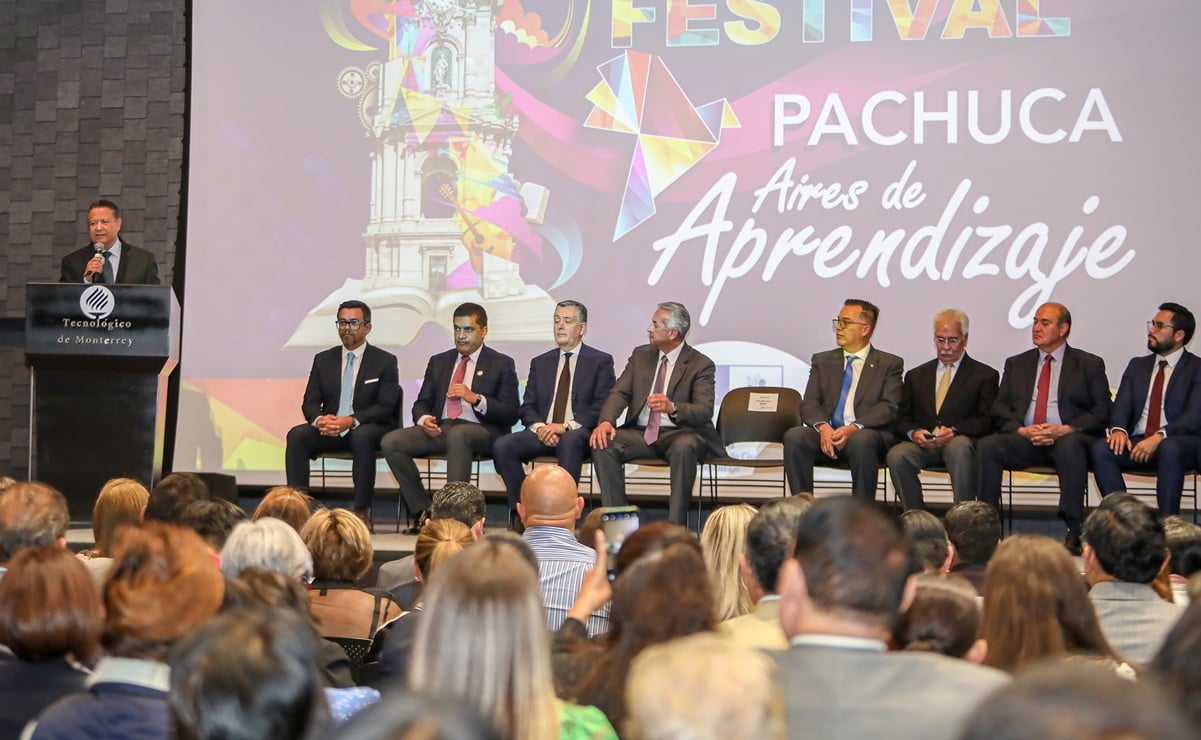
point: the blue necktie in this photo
(108, 275)
(346, 398)
(848, 374)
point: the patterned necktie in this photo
(1156, 408)
(944, 384)
(651, 435)
(848, 375)
(107, 274)
(1044, 390)
(454, 406)
(346, 396)
(562, 391)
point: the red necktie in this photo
(1156, 407)
(454, 406)
(1044, 390)
(651, 435)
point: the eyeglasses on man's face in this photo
(351, 323)
(841, 323)
(949, 341)
(1158, 326)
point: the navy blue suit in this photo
(591, 381)
(1180, 447)
(494, 378)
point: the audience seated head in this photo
(549, 498)
(723, 540)
(944, 618)
(1036, 606)
(1076, 701)
(585, 532)
(172, 494)
(1124, 540)
(162, 584)
(518, 543)
(437, 541)
(1184, 545)
(6, 481)
(266, 543)
(488, 592)
(49, 607)
(849, 571)
(32, 514)
(411, 716)
(248, 674)
(212, 519)
(928, 538)
(340, 543)
(651, 537)
(1176, 665)
(974, 530)
(289, 504)
(463, 502)
(769, 539)
(703, 685)
(120, 502)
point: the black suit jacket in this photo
(138, 267)
(1083, 391)
(591, 382)
(495, 379)
(1181, 397)
(877, 397)
(967, 407)
(692, 388)
(377, 392)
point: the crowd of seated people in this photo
(208, 623)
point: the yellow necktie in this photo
(944, 383)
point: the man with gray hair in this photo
(32, 514)
(768, 542)
(946, 405)
(667, 392)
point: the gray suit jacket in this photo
(850, 694)
(877, 397)
(1133, 617)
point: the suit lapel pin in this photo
(479, 373)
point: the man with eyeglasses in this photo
(1156, 418)
(945, 407)
(350, 402)
(850, 406)
(1053, 402)
(467, 400)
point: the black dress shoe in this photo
(415, 525)
(365, 516)
(1073, 545)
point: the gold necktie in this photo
(944, 383)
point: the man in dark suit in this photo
(946, 405)
(116, 261)
(850, 405)
(467, 400)
(841, 594)
(667, 392)
(1156, 419)
(1052, 404)
(335, 423)
(557, 423)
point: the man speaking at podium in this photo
(108, 259)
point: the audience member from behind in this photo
(31, 515)
(248, 675)
(7, 482)
(1125, 550)
(1036, 608)
(172, 494)
(549, 508)
(944, 618)
(974, 530)
(703, 686)
(841, 595)
(768, 544)
(119, 503)
(723, 541)
(415, 717)
(341, 548)
(50, 620)
(162, 585)
(1077, 701)
(212, 519)
(267, 543)
(289, 504)
(1184, 548)
(490, 594)
(928, 539)
(1176, 665)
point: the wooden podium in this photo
(99, 356)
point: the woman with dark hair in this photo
(1036, 607)
(944, 618)
(162, 585)
(50, 618)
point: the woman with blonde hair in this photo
(490, 593)
(289, 504)
(120, 502)
(1036, 607)
(723, 540)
